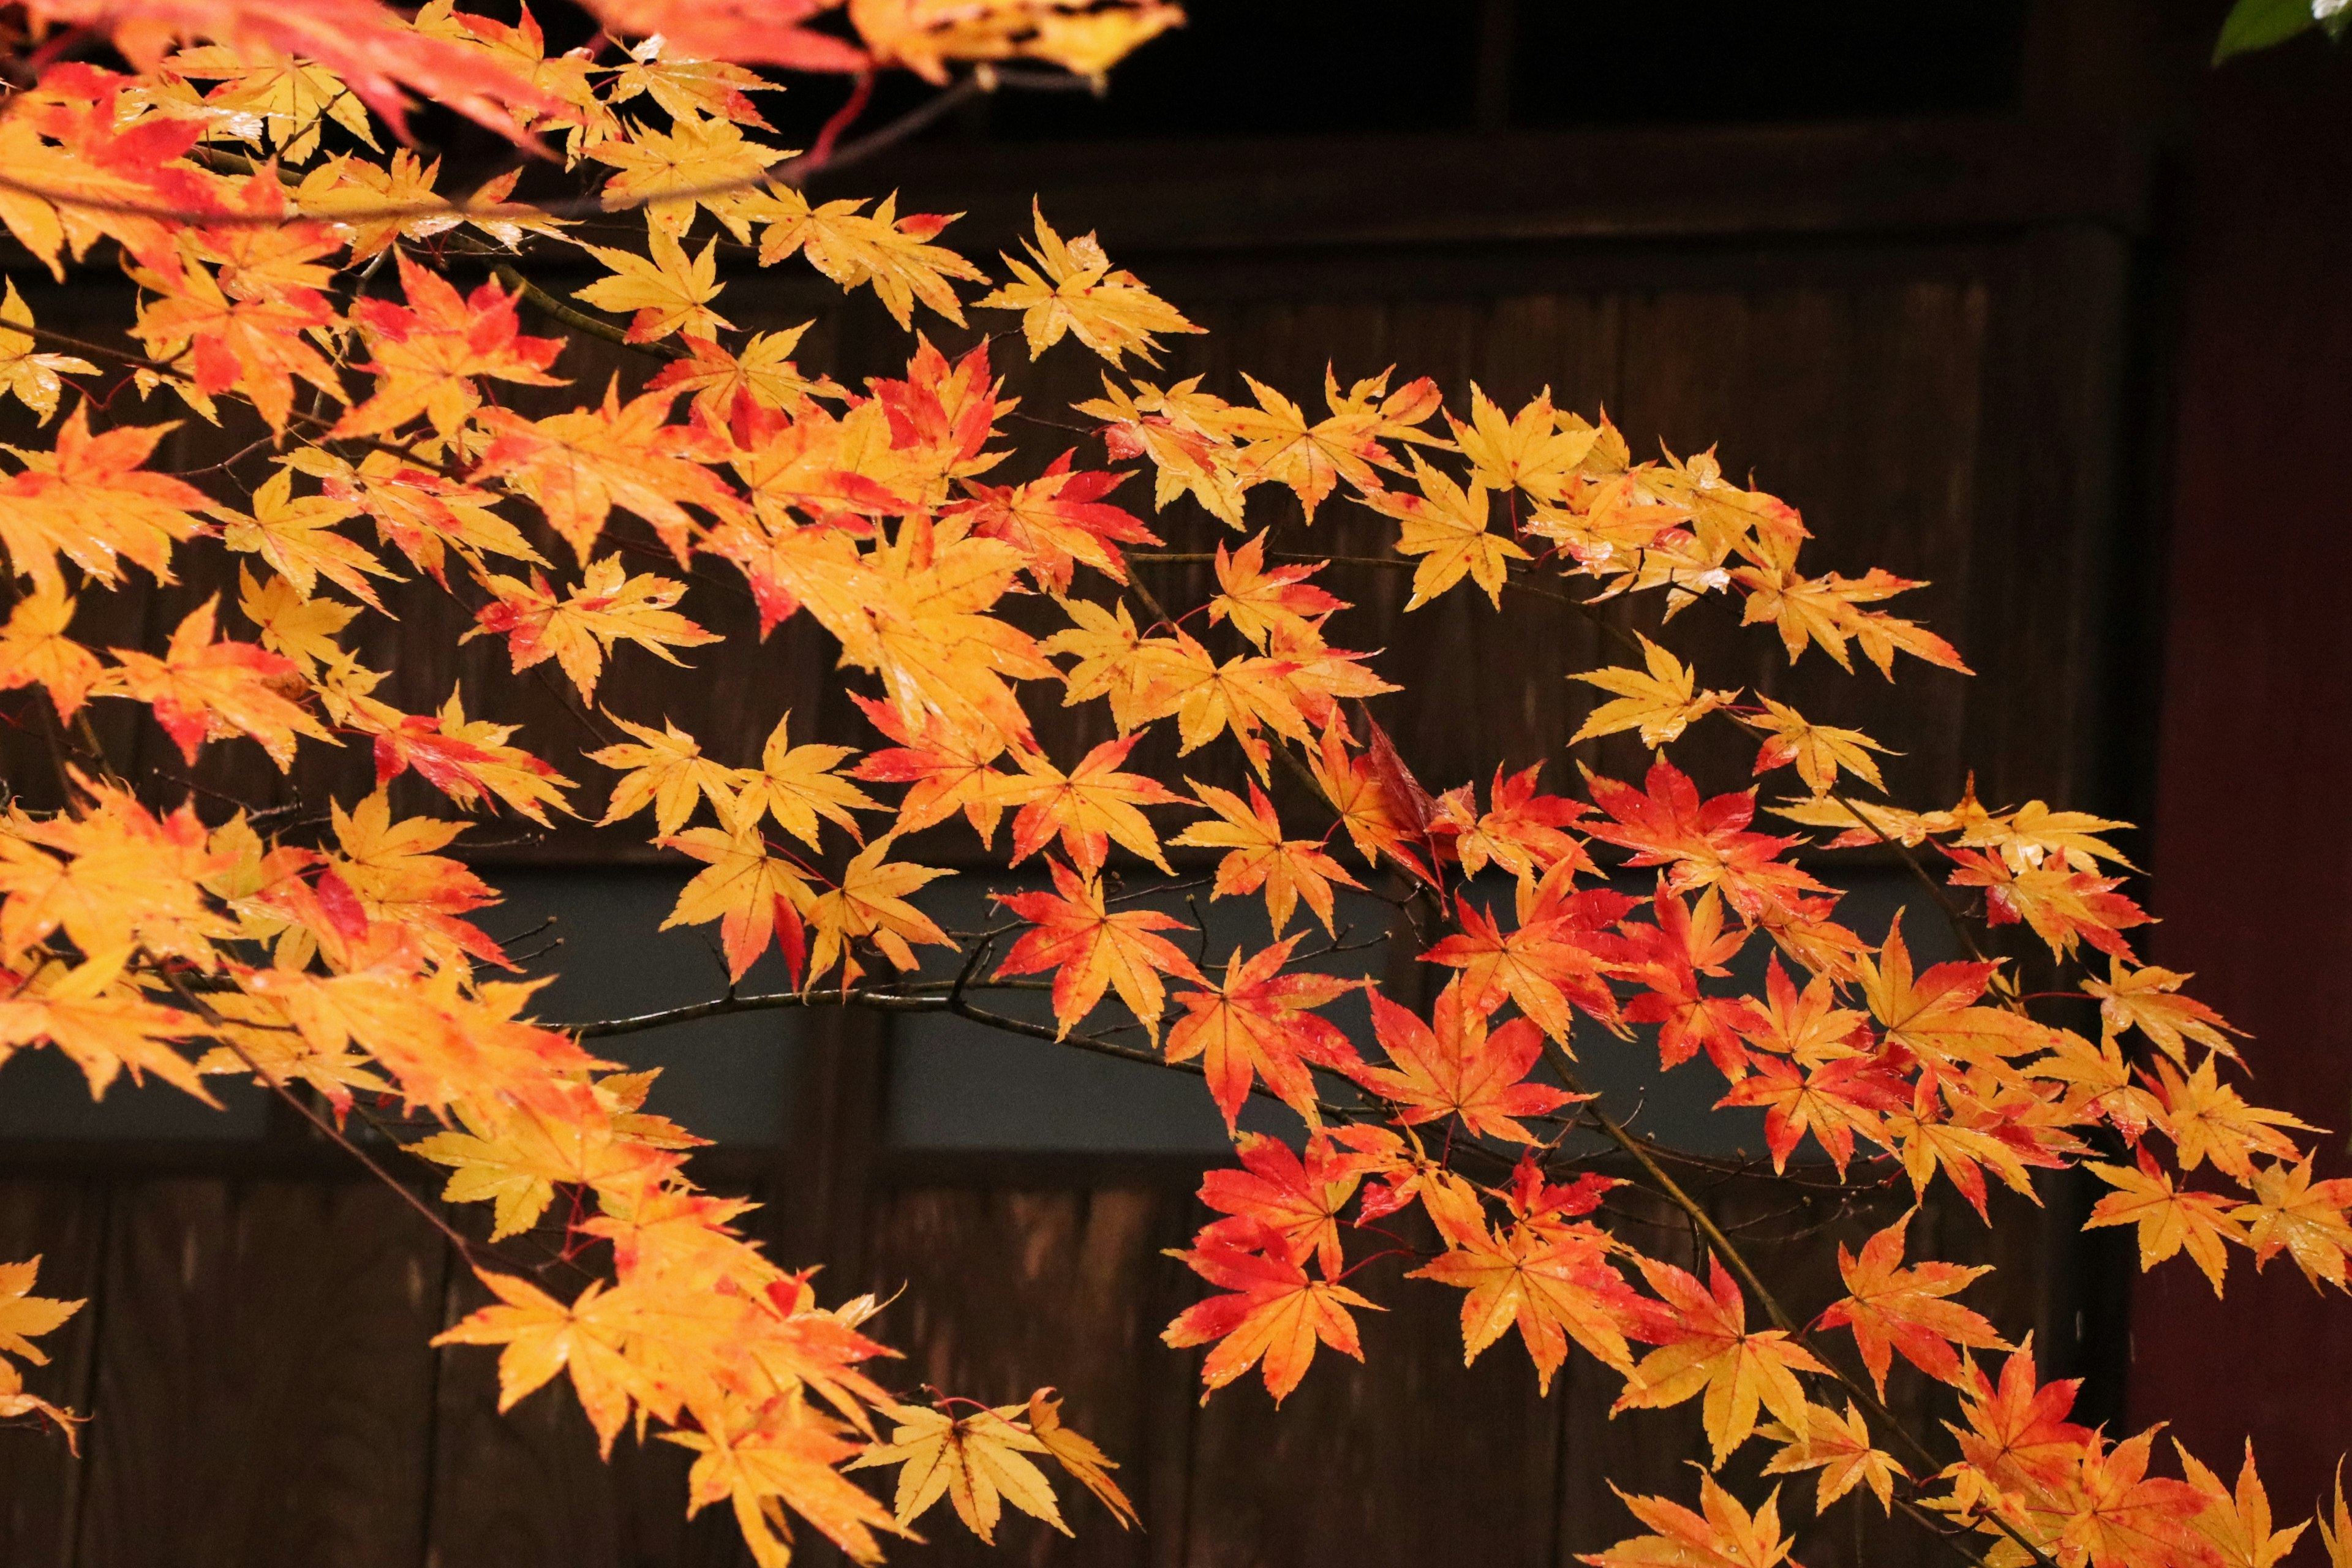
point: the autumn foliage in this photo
(298, 268)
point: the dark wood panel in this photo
(63, 1220)
(527, 1489)
(262, 1378)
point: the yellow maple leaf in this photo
(1660, 702)
(1073, 289)
(34, 650)
(607, 606)
(893, 254)
(1818, 750)
(795, 786)
(663, 292)
(871, 905)
(698, 161)
(543, 1337)
(296, 537)
(1447, 526)
(30, 374)
(669, 772)
(979, 1462)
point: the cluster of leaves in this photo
(346, 962)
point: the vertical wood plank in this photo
(63, 1220)
(262, 1378)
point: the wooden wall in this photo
(1915, 334)
(255, 1354)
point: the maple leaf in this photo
(1090, 806)
(34, 650)
(2238, 1522)
(1935, 1015)
(1554, 1282)
(1273, 1314)
(1057, 520)
(1447, 526)
(1311, 459)
(1259, 600)
(26, 371)
(1073, 289)
(1703, 843)
(2146, 1000)
(944, 770)
(200, 689)
(1521, 830)
(1892, 1308)
(100, 1025)
(1721, 1535)
(667, 772)
(87, 500)
(226, 340)
(1088, 949)
(1260, 1023)
(465, 759)
(1459, 1068)
(978, 1462)
(578, 630)
(1533, 450)
(1838, 1446)
(781, 1452)
(420, 513)
(892, 253)
(698, 162)
(429, 353)
(1834, 1101)
(2208, 1120)
(1298, 1199)
(2062, 906)
(794, 785)
(870, 904)
(389, 868)
(1818, 750)
(663, 292)
(1683, 945)
(24, 1316)
(753, 895)
(2293, 1213)
(543, 1337)
(2170, 1218)
(577, 466)
(1287, 868)
(1659, 701)
(517, 1163)
(1555, 958)
(1083, 1460)
(1352, 786)
(763, 370)
(296, 537)
(1703, 1344)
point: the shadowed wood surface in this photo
(1914, 335)
(254, 1358)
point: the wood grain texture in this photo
(63, 1221)
(262, 1378)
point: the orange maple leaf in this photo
(1274, 1312)
(1261, 1022)
(1287, 868)
(1705, 1344)
(1459, 1068)
(1089, 949)
(1891, 1307)
(201, 689)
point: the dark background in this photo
(2020, 298)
